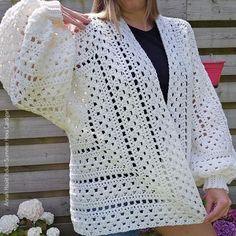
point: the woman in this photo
(133, 162)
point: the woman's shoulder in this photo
(175, 20)
(96, 19)
(178, 25)
(95, 25)
(89, 38)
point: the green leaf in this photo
(21, 232)
(14, 233)
(2, 234)
(42, 224)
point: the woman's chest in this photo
(118, 80)
(119, 63)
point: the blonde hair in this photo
(110, 10)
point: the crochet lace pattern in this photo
(135, 161)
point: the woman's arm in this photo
(37, 56)
(213, 158)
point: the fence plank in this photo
(215, 37)
(169, 8)
(34, 181)
(211, 10)
(231, 117)
(4, 5)
(226, 92)
(35, 154)
(30, 127)
(172, 8)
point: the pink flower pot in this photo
(214, 69)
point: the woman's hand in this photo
(217, 204)
(78, 20)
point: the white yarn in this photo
(135, 161)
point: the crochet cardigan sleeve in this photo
(37, 58)
(213, 157)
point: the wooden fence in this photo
(39, 151)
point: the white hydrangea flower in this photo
(34, 231)
(53, 231)
(48, 217)
(31, 210)
(8, 223)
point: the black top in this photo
(152, 44)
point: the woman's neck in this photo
(137, 20)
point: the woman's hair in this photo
(110, 10)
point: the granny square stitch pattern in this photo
(135, 161)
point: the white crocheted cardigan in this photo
(135, 161)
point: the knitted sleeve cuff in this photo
(53, 9)
(215, 182)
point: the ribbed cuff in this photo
(215, 181)
(53, 9)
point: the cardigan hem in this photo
(141, 222)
